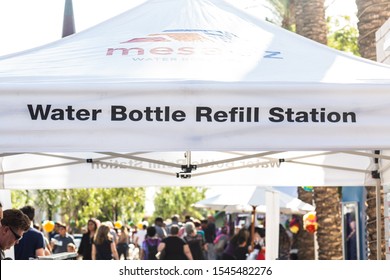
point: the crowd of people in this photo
(191, 239)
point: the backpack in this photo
(152, 249)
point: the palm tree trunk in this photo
(372, 14)
(313, 23)
(371, 224)
(329, 233)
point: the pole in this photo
(378, 221)
(253, 227)
(68, 27)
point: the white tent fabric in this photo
(236, 200)
(191, 75)
(208, 77)
(203, 78)
(76, 170)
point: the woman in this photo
(174, 247)
(195, 241)
(85, 248)
(237, 247)
(149, 246)
(103, 247)
(123, 243)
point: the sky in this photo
(25, 24)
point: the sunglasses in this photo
(17, 236)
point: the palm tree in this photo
(311, 23)
(312, 20)
(309, 18)
(372, 15)
(284, 10)
(329, 237)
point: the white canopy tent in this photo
(235, 201)
(172, 77)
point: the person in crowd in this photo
(182, 230)
(174, 247)
(241, 251)
(103, 247)
(60, 241)
(195, 241)
(54, 231)
(48, 249)
(113, 233)
(85, 248)
(159, 224)
(237, 239)
(123, 243)
(14, 224)
(210, 234)
(150, 245)
(32, 245)
(220, 242)
(139, 236)
(175, 221)
(259, 241)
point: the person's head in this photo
(102, 234)
(174, 230)
(61, 228)
(196, 223)
(150, 231)
(158, 221)
(190, 228)
(29, 211)
(145, 225)
(224, 230)
(260, 232)
(175, 218)
(93, 225)
(13, 225)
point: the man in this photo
(159, 224)
(32, 245)
(175, 221)
(61, 240)
(13, 225)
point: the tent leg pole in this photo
(253, 227)
(378, 221)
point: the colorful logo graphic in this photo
(185, 35)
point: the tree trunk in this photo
(311, 21)
(371, 224)
(372, 14)
(329, 233)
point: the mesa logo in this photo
(185, 35)
(177, 36)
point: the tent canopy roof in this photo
(200, 40)
(190, 75)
